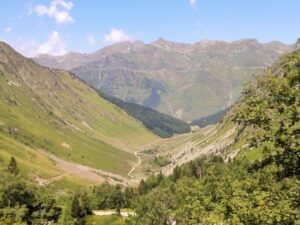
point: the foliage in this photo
(161, 160)
(272, 106)
(12, 166)
(21, 202)
(106, 196)
(80, 207)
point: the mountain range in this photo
(187, 81)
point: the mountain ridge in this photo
(186, 81)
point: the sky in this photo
(58, 26)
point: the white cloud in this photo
(193, 3)
(58, 9)
(53, 46)
(8, 29)
(90, 39)
(30, 47)
(26, 46)
(117, 35)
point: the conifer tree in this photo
(13, 166)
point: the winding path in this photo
(135, 166)
(109, 213)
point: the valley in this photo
(98, 153)
(149, 112)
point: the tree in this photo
(117, 199)
(80, 207)
(12, 166)
(129, 195)
(142, 187)
(155, 208)
(21, 202)
(75, 207)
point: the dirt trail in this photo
(85, 172)
(109, 213)
(133, 178)
(135, 166)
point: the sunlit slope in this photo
(52, 110)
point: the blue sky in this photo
(58, 26)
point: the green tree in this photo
(117, 199)
(80, 207)
(155, 208)
(142, 187)
(12, 166)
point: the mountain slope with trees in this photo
(159, 123)
(266, 191)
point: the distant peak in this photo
(138, 42)
(246, 40)
(206, 42)
(170, 45)
(162, 40)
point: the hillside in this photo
(47, 111)
(160, 124)
(239, 189)
(211, 119)
(187, 81)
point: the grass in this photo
(56, 112)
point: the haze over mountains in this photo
(187, 81)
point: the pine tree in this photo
(142, 187)
(75, 207)
(13, 166)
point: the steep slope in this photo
(264, 190)
(54, 111)
(211, 119)
(187, 81)
(159, 123)
(263, 123)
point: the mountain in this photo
(159, 123)
(187, 81)
(212, 119)
(51, 112)
(261, 189)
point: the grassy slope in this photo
(51, 110)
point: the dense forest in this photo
(159, 123)
(211, 119)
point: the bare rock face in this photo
(187, 81)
